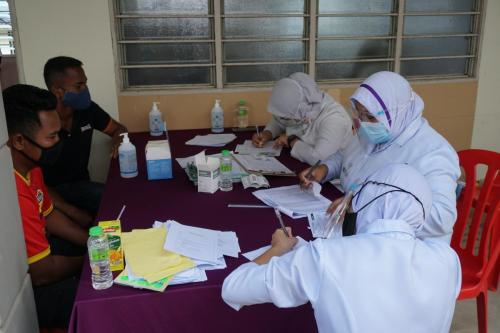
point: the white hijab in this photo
(390, 99)
(296, 97)
(396, 205)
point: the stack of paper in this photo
(255, 181)
(211, 140)
(204, 246)
(293, 201)
(252, 255)
(148, 265)
(247, 148)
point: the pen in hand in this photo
(280, 220)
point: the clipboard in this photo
(263, 165)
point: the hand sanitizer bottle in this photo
(155, 121)
(127, 157)
(217, 118)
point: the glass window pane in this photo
(180, 53)
(169, 76)
(260, 73)
(151, 28)
(355, 26)
(264, 51)
(434, 67)
(164, 6)
(349, 70)
(433, 47)
(263, 27)
(263, 6)
(437, 24)
(355, 6)
(352, 49)
(439, 5)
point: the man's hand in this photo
(115, 144)
(114, 130)
(260, 139)
(318, 175)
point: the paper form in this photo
(293, 201)
(247, 148)
(211, 140)
(192, 242)
(263, 165)
(252, 255)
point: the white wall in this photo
(486, 134)
(81, 29)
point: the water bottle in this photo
(99, 259)
(226, 172)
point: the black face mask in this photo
(349, 224)
(49, 155)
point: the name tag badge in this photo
(85, 128)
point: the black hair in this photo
(22, 104)
(57, 66)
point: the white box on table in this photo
(208, 173)
(158, 159)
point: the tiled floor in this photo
(465, 319)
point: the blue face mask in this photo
(77, 100)
(374, 132)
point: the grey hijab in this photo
(296, 97)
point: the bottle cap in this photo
(243, 102)
(226, 153)
(96, 231)
(125, 138)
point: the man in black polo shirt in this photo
(68, 179)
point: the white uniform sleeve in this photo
(287, 281)
(332, 133)
(441, 169)
(334, 164)
(275, 128)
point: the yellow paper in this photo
(147, 258)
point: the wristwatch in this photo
(290, 139)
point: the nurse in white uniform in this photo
(305, 119)
(391, 129)
(383, 279)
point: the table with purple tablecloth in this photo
(195, 307)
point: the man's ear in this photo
(17, 141)
(57, 91)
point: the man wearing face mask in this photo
(69, 178)
(33, 126)
(306, 120)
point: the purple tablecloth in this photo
(196, 307)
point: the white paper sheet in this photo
(251, 255)
(192, 242)
(211, 140)
(247, 148)
(293, 201)
(263, 164)
(237, 172)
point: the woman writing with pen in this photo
(306, 120)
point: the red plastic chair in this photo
(478, 270)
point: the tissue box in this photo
(208, 173)
(158, 159)
(113, 231)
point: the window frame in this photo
(311, 16)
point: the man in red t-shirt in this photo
(33, 125)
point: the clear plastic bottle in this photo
(241, 114)
(217, 116)
(127, 157)
(226, 172)
(99, 259)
